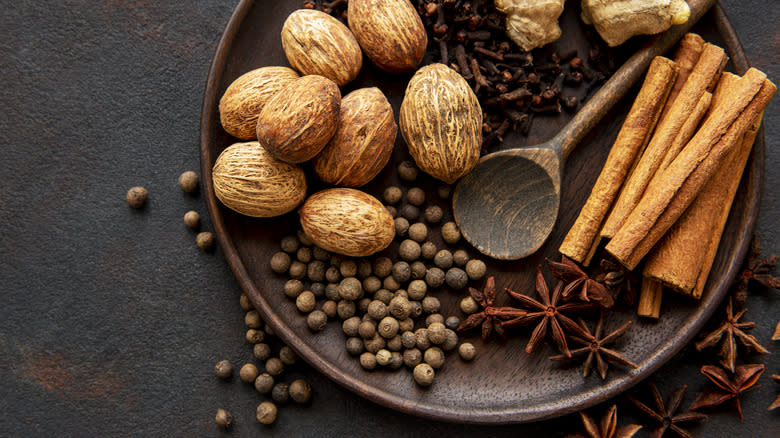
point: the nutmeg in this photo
(317, 44)
(300, 119)
(250, 181)
(347, 221)
(363, 142)
(246, 96)
(390, 32)
(441, 121)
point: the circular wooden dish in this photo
(504, 384)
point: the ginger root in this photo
(531, 23)
(618, 20)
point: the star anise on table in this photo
(579, 283)
(620, 281)
(756, 269)
(490, 318)
(664, 414)
(595, 348)
(776, 334)
(744, 379)
(730, 333)
(608, 427)
(775, 404)
(549, 312)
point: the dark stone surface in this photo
(111, 319)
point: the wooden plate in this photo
(504, 384)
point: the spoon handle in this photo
(622, 81)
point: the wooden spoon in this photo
(508, 204)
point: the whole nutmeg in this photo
(300, 119)
(390, 32)
(441, 122)
(247, 95)
(347, 221)
(317, 44)
(250, 181)
(363, 141)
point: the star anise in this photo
(776, 334)
(775, 404)
(664, 414)
(745, 378)
(608, 427)
(550, 313)
(729, 334)
(577, 280)
(756, 269)
(594, 347)
(491, 318)
(620, 281)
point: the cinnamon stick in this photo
(650, 296)
(633, 136)
(708, 67)
(686, 57)
(671, 192)
(687, 130)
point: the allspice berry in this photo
(351, 289)
(274, 366)
(280, 393)
(433, 214)
(300, 391)
(423, 374)
(444, 191)
(354, 346)
(223, 369)
(280, 262)
(223, 418)
(262, 351)
(434, 277)
(443, 259)
(287, 355)
(383, 357)
(330, 308)
(297, 270)
(410, 212)
(136, 197)
(407, 171)
(392, 195)
(450, 233)
(383, 267)
(368, 361)
(377, 310)
(290, 244)
(264, 383)
(401, 226)
(367, 329)
(417, 290)
(431, 305)
(317, 320)
(415, 196)
(293, 288)
(409, 250)
(388, 327)
(460, 257)
(437, 333)
(451, 341)
(412, 357)
(434, 317)
(418, 232)
(456, 278)
(428, 250)
(452, 322)
(254, 336)
(253, 320)
(192, 219)
(401, 272)
(468, 305)
(248, 373)
(476, 269)
(400, 307)
(188, 181)
(266, 412)
(467, 351)
(350, 326)
(434, 357)
(418, 270)
(306, 301)
(205, 240)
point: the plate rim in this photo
(753, 178)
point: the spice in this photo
(456, 278)
(297, 270)
(594, 345)
(745, 377)
(444, 191)
(205, 240)
(293, 288)
(577, 280)
(266, 412)
(450, 341)
(188, 181)
(317, 320)
(428, 250)
(412, 357)
(417, 290)
(382, 267)
(418, 232)
(415, 196)
(392, 195)
(407, 171)
(223, 369)
(756, 269)
(664, 414)
(490, 318)
(410, 212)
(367, 329)
(376, 310)
(433, 214)
(262, 351)
(423, 374)
(350, 288)
(248, 373)
(460, 258)
(401, 226)
(620, 281)
(387, 327)
(467, 351)
(450, 233)
(192, 219)
(476, 269)
(287, 355)
(280, 262)
(330, 308)
(254, 336)
(437, 333)
(452, 322)
(434, 317)
(306, 301)
(300, 391)
(224, 418)
(775, 404)
(264, 383)
(443, 259)
(400, 308)
(401, 272)
(253, 320)
(728, 335)
(431, 304)
(368, 361)
(434, 357)
(304, 254)
(354, 346)
(243, 300)
(348, 268)
(608, 427)
(280, 393)
(383, 357)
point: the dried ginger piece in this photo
(618, 20)
(531, 23)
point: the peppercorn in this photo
(408, 339)
(274, 366)
(248, 373)
(317, 320)
(401, 271)
(253, 320)
(366, 329)
(423, 374)
(444, 191)
(320, 254)
(287, 355)
(293, 288)
(223, 418)
(280, 393)
(316, 271)
(433, 214)
(362, 305)
(266, 412)
(405, 325)
(332, 292)
(345, 309)
(192, 219)
(290, 244)
(255, 336)
(297, 270)
(280, 262)
(443, 259)
(452, 322)
(392, 195)
(417, 290)
(412, 357)
(223, 369)
(476, 269)
(363, 269)
(401, 226)
(460, 257)
(304, 254)
(303, 239)
(330, 308)
(450, 233)
(332, 275)
(264, 383)
(415, 196)
(418, 270)
(136, 197)
(422, 339)
(354, 346)
(377, 310)
(430, 304)
(348, 268)
(434, 277)
(350, 326)
(400, 308)
(383, 357)
(437, 333)
(387, 327)
(383, 295)
(410, 212)
(451, 340)
(418, 232)
(188, 181)
(468, 305)
(350, 288)
(262, 351)
(368, 361)
(318, 289)
(205, 240)
(416, 309)
(409, 250)
(372, 284)
(434, 357)
(375, 344)
(396, 360)
(467, 351)
(407, 171)
(434, 317)
(456, 278)
(383, 266)
(306, 301)
(243, 300)
(300, 391)
(428, 250)
(394, 343)
(391, 284)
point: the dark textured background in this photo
(111, 319)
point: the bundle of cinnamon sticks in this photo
(666, 189)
